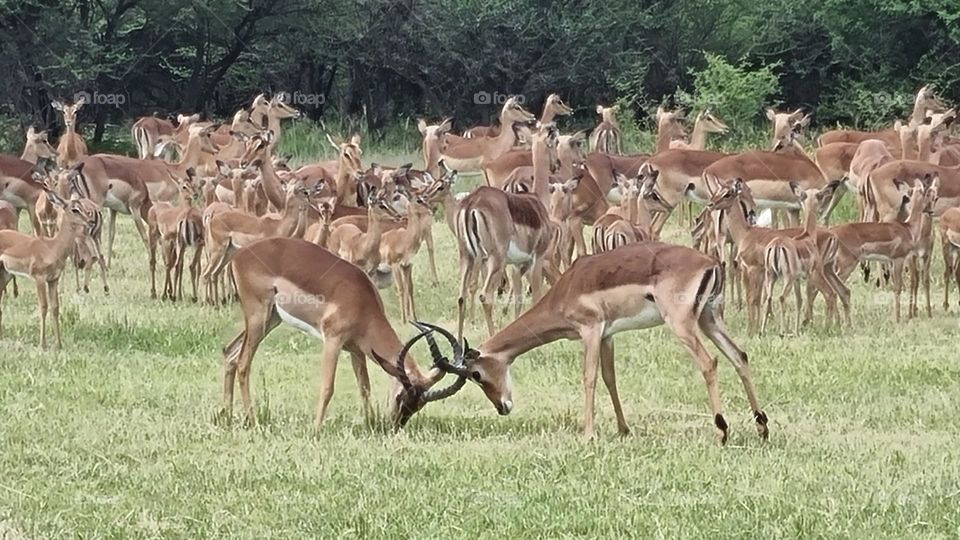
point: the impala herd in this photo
(311, 246)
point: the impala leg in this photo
(766, 298)
(16, 288)
(398, 278)
(328, 373)
(713, 327)
(898, 266)
(948, 264)
(609, 374)
(685, 328)
(516, 291)
(591, 359)
(5, 278)
(466, 272)
(576, 230)
(195, 270)
(797, 298)
(111, 233)
(42, 305)
(408, 271)
(256, 326)
(495, 270)
(914, 287)
(925, 276)
(428, 239)
(53, 295)
(359, 362)
(152, 263)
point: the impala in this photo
(148, 131)
(552, 108)
(704, 124)
(307, 287)
(269, 113)
(43, 260)
(637, 286)
(607, 137)
(71, 146)
(950, 243)
(230, 231)
(433, 142)
(8, 222)
(926, 100)
(472, 154)
(174, 228)
(17, 184)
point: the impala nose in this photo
(505, 407)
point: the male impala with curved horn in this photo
(307, 287)
(634, 287)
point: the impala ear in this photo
(795, 188)
(599, 109)
(422, 126)
(771, 114)
(737, 185)
(355, 140)
(57, 104)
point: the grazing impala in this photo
(472, 154)
(307, 287)
(43, 260)
(71, 147)
(637, 286)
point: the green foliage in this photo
(735, 93)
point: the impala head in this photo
(812, 199)
(546, 139)
(184, 121)
(561, 196)
(927, 100)
(556, 105)
(735, 192)
(608, 114)
(280, 109)
(929, 193)
(69, 111)
(241, 128)
(570, 148)
(348, 153)
(38, 144)
(649, 193)
(440, 188)
(202, 137)
(670, 122)
(255, 148)
(710, 123)
(75, 214)
(789, 142)
(514, 113)
(784, 123)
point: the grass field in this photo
(114, 437)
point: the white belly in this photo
(648, 317)
(517, 256)
(115, 204)
(299, 324)
(18, 273)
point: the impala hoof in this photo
(722, 428)
(762, 429)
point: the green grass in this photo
(114, 437)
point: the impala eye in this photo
(476, 376)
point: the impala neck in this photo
(919, 113)
(273, 124)
(505, 140)
(925, 150)
(342, 182)
(270, 182)
(539, 325)
(541, 171)
(663, 139)
(374, 229)
(698, 139)
(30, 154)
(737, 222)
(641, 214)
(810, 220)
(548, 115)
(64, 241)
(450, 210)
(381, 338)
(915, 219)
(292, 218)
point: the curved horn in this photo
(458, 351)
(440, 361)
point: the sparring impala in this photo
(43, 261)
(307, 287)
(634, 287)
(71, 146)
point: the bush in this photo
(736, 94)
